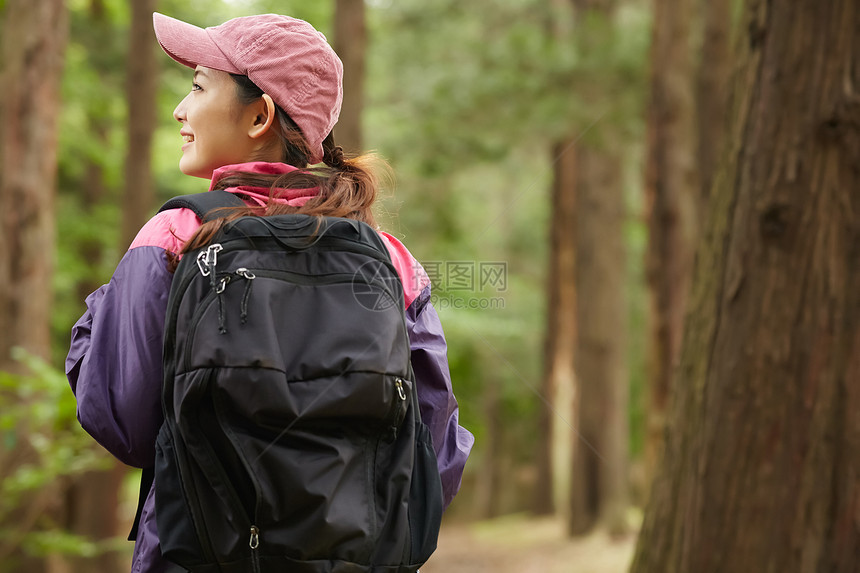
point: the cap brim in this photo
(189, 45)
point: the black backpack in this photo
(292, 439)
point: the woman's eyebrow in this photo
(198, 72)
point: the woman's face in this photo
(215, 125)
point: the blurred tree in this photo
(599, 482)
(672, 204)
(141, 90)
(712, 80)
(560, 338)
(33, 41)
(762, 454)
(91, 504)
(34, 35)
(92, 146)
(92, 498)
(350, 41)
(599, 477)
(554, 441)
(492, 472)
(93, 189)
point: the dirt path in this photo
(518, 544)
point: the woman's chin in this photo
(195, 171)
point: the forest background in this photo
(552, 168)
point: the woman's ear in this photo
(264, 111)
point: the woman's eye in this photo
(195, 87)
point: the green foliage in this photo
(38, 408)
(44, 543)
(38, 421)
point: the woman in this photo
(265, 96)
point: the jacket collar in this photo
(260, 195)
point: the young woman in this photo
(265, 96)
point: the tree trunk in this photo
(762, 456)
(93, 192)
(553, 458)
(350, 43)
(92, 498)
(91, 250)
(599, 470)
(712, 81)
(33, 42)
(491, 469)
(91, 504)
(34, 38)
(599, 477)
(672, 203)
(141, 90)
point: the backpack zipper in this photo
(398, 412)
(322, 243)
(254, 543)
(226, 244)
(288, 276)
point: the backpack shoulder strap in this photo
(147, 476)
(204, 204)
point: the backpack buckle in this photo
(206, 260)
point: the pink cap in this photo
(285, 57)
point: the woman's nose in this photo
(179, 112)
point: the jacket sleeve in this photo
(114, 365)
(436, 399)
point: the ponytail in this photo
(333, 154)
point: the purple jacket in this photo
(114, 363)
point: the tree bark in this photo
(712, 81)
(141, 91)
(350, 43)
(671, 206)
(34, 38)
(560, 338)
(33, 43)
(762, 455)
(599, 470)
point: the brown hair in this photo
(347, 185)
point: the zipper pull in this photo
(208, 259)
(243, 307)
(254, 544)
(401, 393)
(222, 284)
(245, 273)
